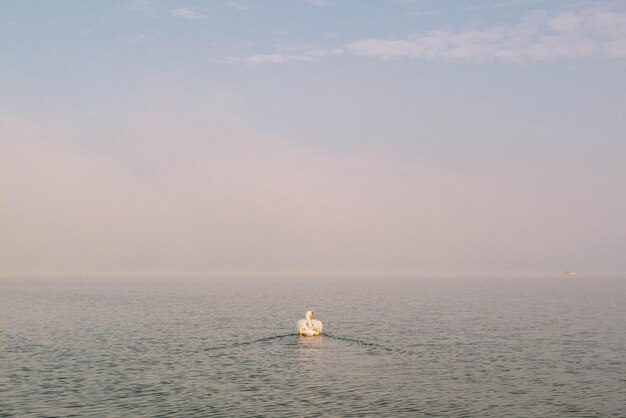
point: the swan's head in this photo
(309, 314)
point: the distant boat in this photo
(570, 273)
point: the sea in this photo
(550, 346)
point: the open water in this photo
(392, 347)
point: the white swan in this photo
(309, 327)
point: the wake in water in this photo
(370, 344)
(239, 344)
(353, 341)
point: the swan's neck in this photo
(308, 320)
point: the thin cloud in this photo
(188, 13)
(276, 58)
(539, 37)
(145, 7)
(424, 13)
(385, 49)
(318, 2)
(235, 5)
(511, 3)
(134, 40)
(308, 55)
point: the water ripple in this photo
(411, 349)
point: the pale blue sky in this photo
(312, 136)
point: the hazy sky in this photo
(319, 136)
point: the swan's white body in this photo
(309, 327)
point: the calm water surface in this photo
(393, 347)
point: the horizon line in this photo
(308, 274)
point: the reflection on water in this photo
(309, 347)
(308, 343)
(399, 348)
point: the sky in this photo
(312, 137)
